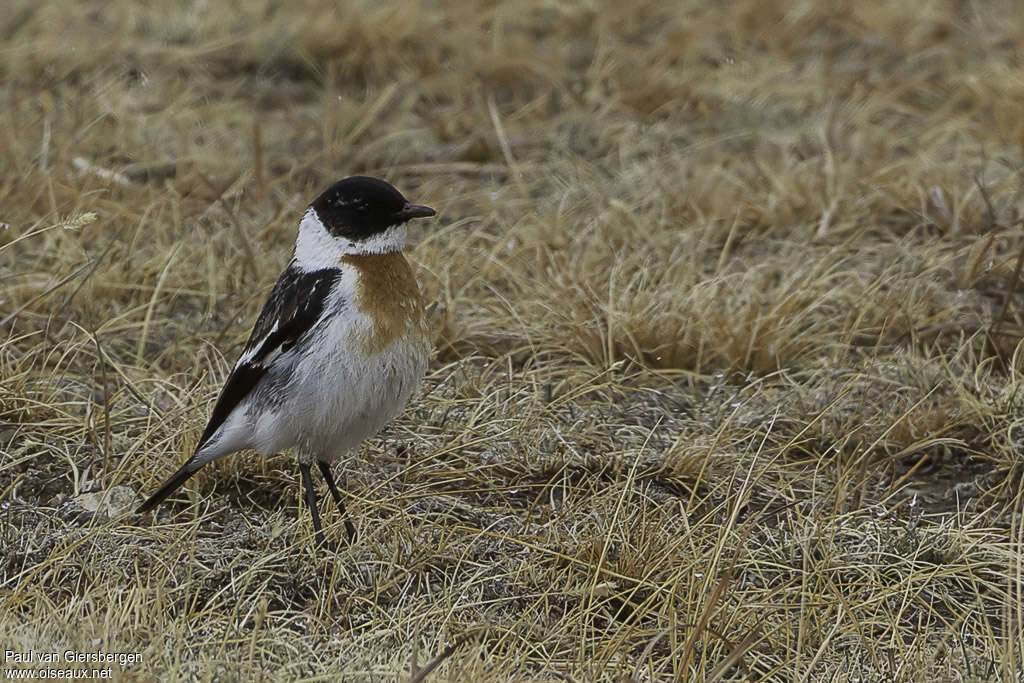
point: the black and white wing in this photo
(294, 307)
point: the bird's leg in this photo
(307, 483)
(350, 528)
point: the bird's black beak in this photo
(416, 211)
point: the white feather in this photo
(337, 397)
(254, 349)
(316, 248)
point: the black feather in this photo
(359, 207)
(294, 308)
(169, 487)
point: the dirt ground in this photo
(727, 314)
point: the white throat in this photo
(316, 248)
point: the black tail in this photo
(170, 486)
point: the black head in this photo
(360, 207)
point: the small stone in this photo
(110, 503)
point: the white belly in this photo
(338, 397)
(332, 390)
(331, 396)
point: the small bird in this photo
(339, 348)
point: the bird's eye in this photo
(350, 203)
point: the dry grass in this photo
(729, 376)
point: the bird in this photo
(338, 350)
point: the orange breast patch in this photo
(387, 292)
